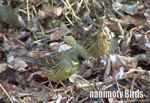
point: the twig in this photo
(28, 13)
(6, 93)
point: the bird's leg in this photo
(63, 84)
(50, 84)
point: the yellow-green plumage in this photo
(96, 43)
(65, 64)
(62, 65)
(98, 46)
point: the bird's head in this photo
(80, 51)
(76, 48)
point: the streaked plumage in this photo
(65, 64)
(96, 43)
(98, 46)
(62, 65)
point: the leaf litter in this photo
(37, 28)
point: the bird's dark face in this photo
(82, 55)
(81, 51)
(77, 52)
(80, 59)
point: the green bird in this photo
(95, 41)
(65, 64)
(62, 65)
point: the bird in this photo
(98, 45)
(62, 65)
(66, 64)
(95, 41)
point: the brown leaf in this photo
(34, 1)
(127, 62)
(35, 54)
(117, 65)
(58, 34)
(136, 19)
(108, 69)
(20, 65)
(46, 12)
(58, 11)
(1, 37)
(140, 42)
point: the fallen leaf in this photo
(58, 11)
(78, 80)
(3, 67)
(58, 34)
(20, 65)
(136, 19)
(118, 65)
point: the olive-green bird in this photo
(96, 42)
(62, 65)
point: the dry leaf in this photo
(58, 11)
(118, 65)
(35, 54)
(3, 67)
(136, 19)
(20, 65)
(58, 34)
(78, 80)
